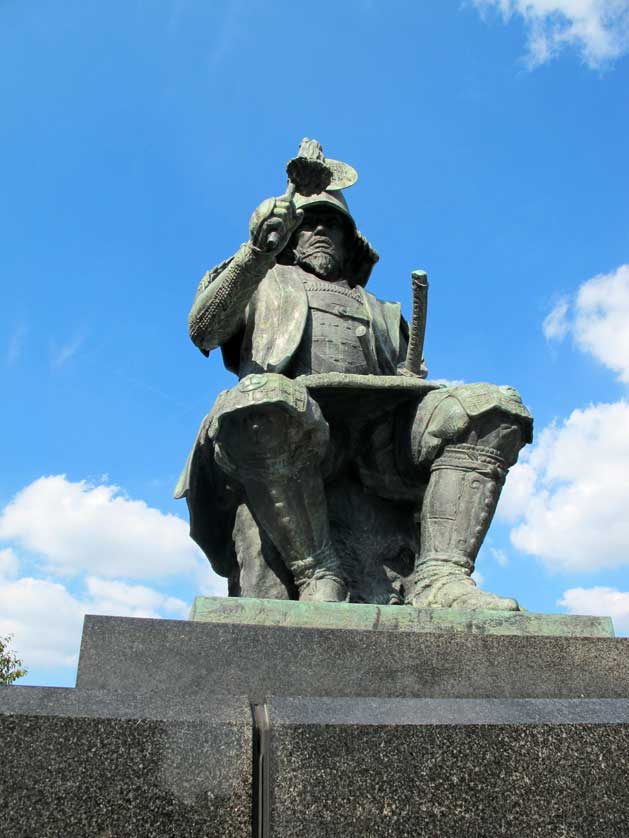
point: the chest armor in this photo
(330, 342)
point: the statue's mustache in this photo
(319, 245)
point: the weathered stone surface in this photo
(441, 768)
(138, 655)
(77, 763)
(398, 618)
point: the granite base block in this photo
(446, 769)
(77, 763)
(232, 730)
(191, 658)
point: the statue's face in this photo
(321, 243)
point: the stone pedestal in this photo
(76, 763)
(250, 720)
(449, 767)
(261, 660)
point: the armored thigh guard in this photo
(467, 413)
(267, 425)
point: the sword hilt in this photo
(415, 350)
(274, 238)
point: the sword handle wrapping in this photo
(415, 350)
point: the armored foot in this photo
(319, 577)
(442, 584)
(323, 590)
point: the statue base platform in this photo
(396, 618)
(269, 728)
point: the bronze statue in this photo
(334, 470)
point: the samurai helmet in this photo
(318, 181)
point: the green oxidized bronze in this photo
(334, 471)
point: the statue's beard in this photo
(320, 260)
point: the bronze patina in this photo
(334, 470)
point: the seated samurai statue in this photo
(334, 471)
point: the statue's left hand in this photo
(273, 223)
(406, 373)
(403, 371)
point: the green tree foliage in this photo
(10, 666)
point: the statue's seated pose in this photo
(330, 471)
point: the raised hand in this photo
(273, 223)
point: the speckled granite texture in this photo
(447, 769)
(416, 735)
(77, 763)
(134, 654)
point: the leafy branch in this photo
(10, 665)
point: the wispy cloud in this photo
(500, 556)
(60, 353)
(228, 31)
(601, 601)
(448, 382)
(597, 29)
(556, 324)
(17, 342)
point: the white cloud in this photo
(448, 382)
(600, 601)
(80, 527)
(108, 596)
(598, 319)
(45, 619)
(478, 577)
(99, 538)
(571, 495)
(8, 564)
(598, 29)
(601, 323)
(518, 490)
(556, 324)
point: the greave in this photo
(457, 510)
(292, 509)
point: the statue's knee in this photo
(438, 420)
(268, 426)
(480, 414)
(252, 432)
(499, 431)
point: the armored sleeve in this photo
(218, 310)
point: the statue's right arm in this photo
(218, 310)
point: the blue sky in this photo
(137, 138)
